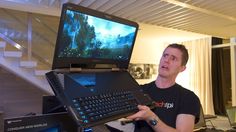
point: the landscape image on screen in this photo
(86, 36)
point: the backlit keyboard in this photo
(93, 108)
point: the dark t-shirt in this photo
(169, 103)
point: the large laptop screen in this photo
(87, 37)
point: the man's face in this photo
(170, 63)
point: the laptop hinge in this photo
(77, 69)
(66, 70)
(62, 70)
(115, 69)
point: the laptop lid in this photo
(231, 114)
(91, 39)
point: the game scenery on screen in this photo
(86, 36)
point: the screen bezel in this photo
(68, 62)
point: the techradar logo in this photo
(162, 104)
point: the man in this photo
(177, 109)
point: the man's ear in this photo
(182, 68)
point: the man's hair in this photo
(184, 51)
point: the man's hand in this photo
(144, 113)
(184, 122)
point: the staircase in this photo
(12, 61)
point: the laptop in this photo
(231, 114)
(90, 63)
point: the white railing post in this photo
(29, 53)
(233, 69)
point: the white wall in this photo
(151, 41)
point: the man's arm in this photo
(184, 122)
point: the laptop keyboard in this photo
(93, 108)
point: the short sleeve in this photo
(190, 104)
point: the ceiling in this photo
(211, 17)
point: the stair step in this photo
(13, 66)
(28, 64)
(2, 44)
(41, 72)
(16, 54)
